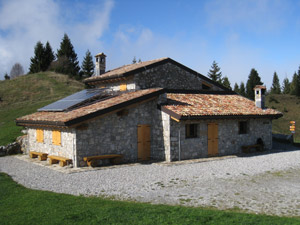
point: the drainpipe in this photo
(179, 150)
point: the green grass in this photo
(25, 94)
(289, 105)
(19, 205)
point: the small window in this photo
(123, 87)
(40, 135)
(56, 137)
(243, 127)
(257, 92)
(190, 130)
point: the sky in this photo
(238, 35)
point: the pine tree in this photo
(140, 60)
(37, 61)
(275, 89)
(253, 80)
(242, 89)
(236, 88)
(286, 86)
(294, 87)
(87, 66)
(214, 73)
(226, 82)
(134, 60)
(48, 56)
(6, 77)
(66, 51)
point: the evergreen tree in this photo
(236, 88)
(87, 66)
(294, 87)
(214, 73)
(134, 60)
(37, 61)
(253, 80)
(6, 77)
(140, 60)
(275, 89)
(242, 89)
(286, 86)
(71, 66)
(226, 82)
(48, 56)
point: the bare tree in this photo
(16, 70)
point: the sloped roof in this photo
(88, 112)
(193, 106)
(123, 70)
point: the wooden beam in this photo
(175, 119)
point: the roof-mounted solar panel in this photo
(73, 100)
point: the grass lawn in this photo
(19, 205)
(26, 94)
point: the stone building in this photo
(158, 109)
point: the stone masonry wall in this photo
(168, 76)
(66, 149)
(230, 141)
(114, 134)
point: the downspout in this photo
(179, 149)
(74, 149)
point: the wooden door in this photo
(144, 142)
(212, 139)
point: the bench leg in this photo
(62, 163)
(52, 161)
(92, 163)
(42, 157)
(32, 155)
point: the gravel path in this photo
(268, 183)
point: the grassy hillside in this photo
(26, 94)
(289, 105)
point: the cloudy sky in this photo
(239, 35)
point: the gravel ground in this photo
(267, 183)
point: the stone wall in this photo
(66, 149)
(117, 134)
(230, 141)
(168, 76)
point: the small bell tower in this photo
(259, 92)
(100, 63)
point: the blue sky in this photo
(239, 35)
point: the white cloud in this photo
(23, 23)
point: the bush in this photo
(273, 99)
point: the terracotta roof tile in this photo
(214, 105)
(118, 72)
(64, 117)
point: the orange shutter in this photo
(123, 87)
(56, 137)
(40, 135)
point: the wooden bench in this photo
(92, 160)
(247, 148)
(62, 160)
(40, 155)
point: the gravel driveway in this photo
(267, 183)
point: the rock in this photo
(22, 140)
(2, 150)
(13, 148)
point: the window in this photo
(56, 137)
(243, 127)
(123, 87)
(40, 135)
(190, 130)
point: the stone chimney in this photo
(259, 92)
(100, 63)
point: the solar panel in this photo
(73, 100)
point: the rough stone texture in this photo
(23, 142)
(10, 149)
(169, 76)
(66, 149)
(230, 141)
(115, 134)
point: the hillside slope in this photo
(289, 105)
(28, 93)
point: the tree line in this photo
(64, 61)
(254, 79)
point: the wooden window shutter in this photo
(40, 135)
(56, 137)
(123, 87)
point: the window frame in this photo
(191, 127)
(243, 127)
